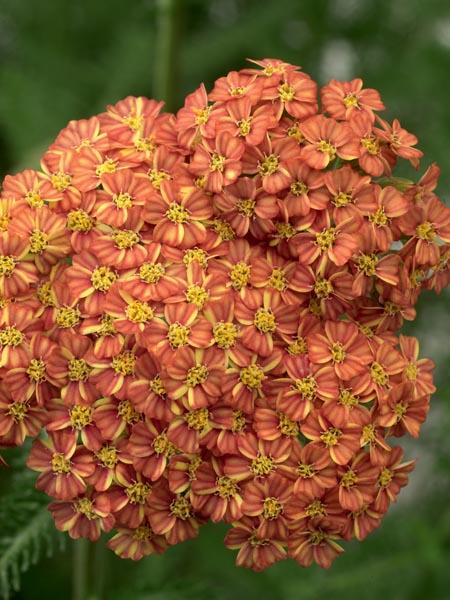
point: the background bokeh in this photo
(62, 59)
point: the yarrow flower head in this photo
(199, 316)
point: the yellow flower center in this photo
(123, 200)
(240, 275)
(327, 148)
(278, 280)
(202, 115)
(145, 144)
(151, 272)
(78, 369)
(138, 492)
(197, 419)
(367, 263)
(252, 376)
(45, 294)
(107, 455)
(157, 386)
(217, 163)
(371, 144)
(225, 334)
(315, 509)
(60, 464)
(86, 508)
(286, 93)
(107, 166)
(285, 230)
(246, 207)
(272, 508)
(223, 229)
(60, 181)
(79, 220)
(124, 363)
(139, 312)
(226, 487)
(142, 533)
(37, 370)
(11, 336)
(342, 199)
(294, 132)
(426, 231)
(348, 479)
(197, 295)
(298, 188)
(197, 255)
(177, 213)
(379, 217)
(80, 416)
(368, 434)
(244, 126)
(307, 387)
(346, 398)
(125, 410)
(350, 100)
(102, 278)
(178, 335)
(337, 352)
(287, 426)
(390, 308)
(326, 238)
(298, 346)
(67, 317)
(385, 477)
(330, 437)
(157, 177)
(305, 471)
(262, 465)
(181, 508)
(378, 374)
(237, 91)
(411, 371)
(34, 199)
(239, 421)
(323, 288)
(18, 411)
(134, 121)
(7, 265)
(264, 320)
(196, 375)
(106, 326)
(162, 445)
(38, 241)
(125, 239)
(399, 410)
(269, 165)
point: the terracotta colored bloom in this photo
(218, 162)
(246, 208)
(327, 139)
(81, 133)
(306, 191)
(257, 458)
(114, 416)
(310, 468)
(418, 371)
(342, 346)
(240, 120)
(172, 515)
(86, 516)
(296, 93)
(266, 498)
(403, 412)
(177, 217)
(386, 362)
(309, 543)
(392, 477)
(216, 495)
(121, 248)
(356, 482)
(130, 498)
(111, 373)
(234, 86)
(374, 157)
(16, 275)
(137, 543)
(341, 443)
(18, 419)
(62, 465)
(255, 551)
(400, 141)
(150, 448)
(195, 119)
(341, 99)
(194, 377)
(147, 390)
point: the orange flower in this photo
(16, 275)
(309, 543)
(86, 516)
(327, 139)
(341, 99)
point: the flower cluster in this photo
(199, 316)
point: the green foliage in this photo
(27, 531)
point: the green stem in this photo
(166, 66)
(80, 569)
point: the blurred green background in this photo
(65, 59)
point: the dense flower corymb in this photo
(199, 316)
